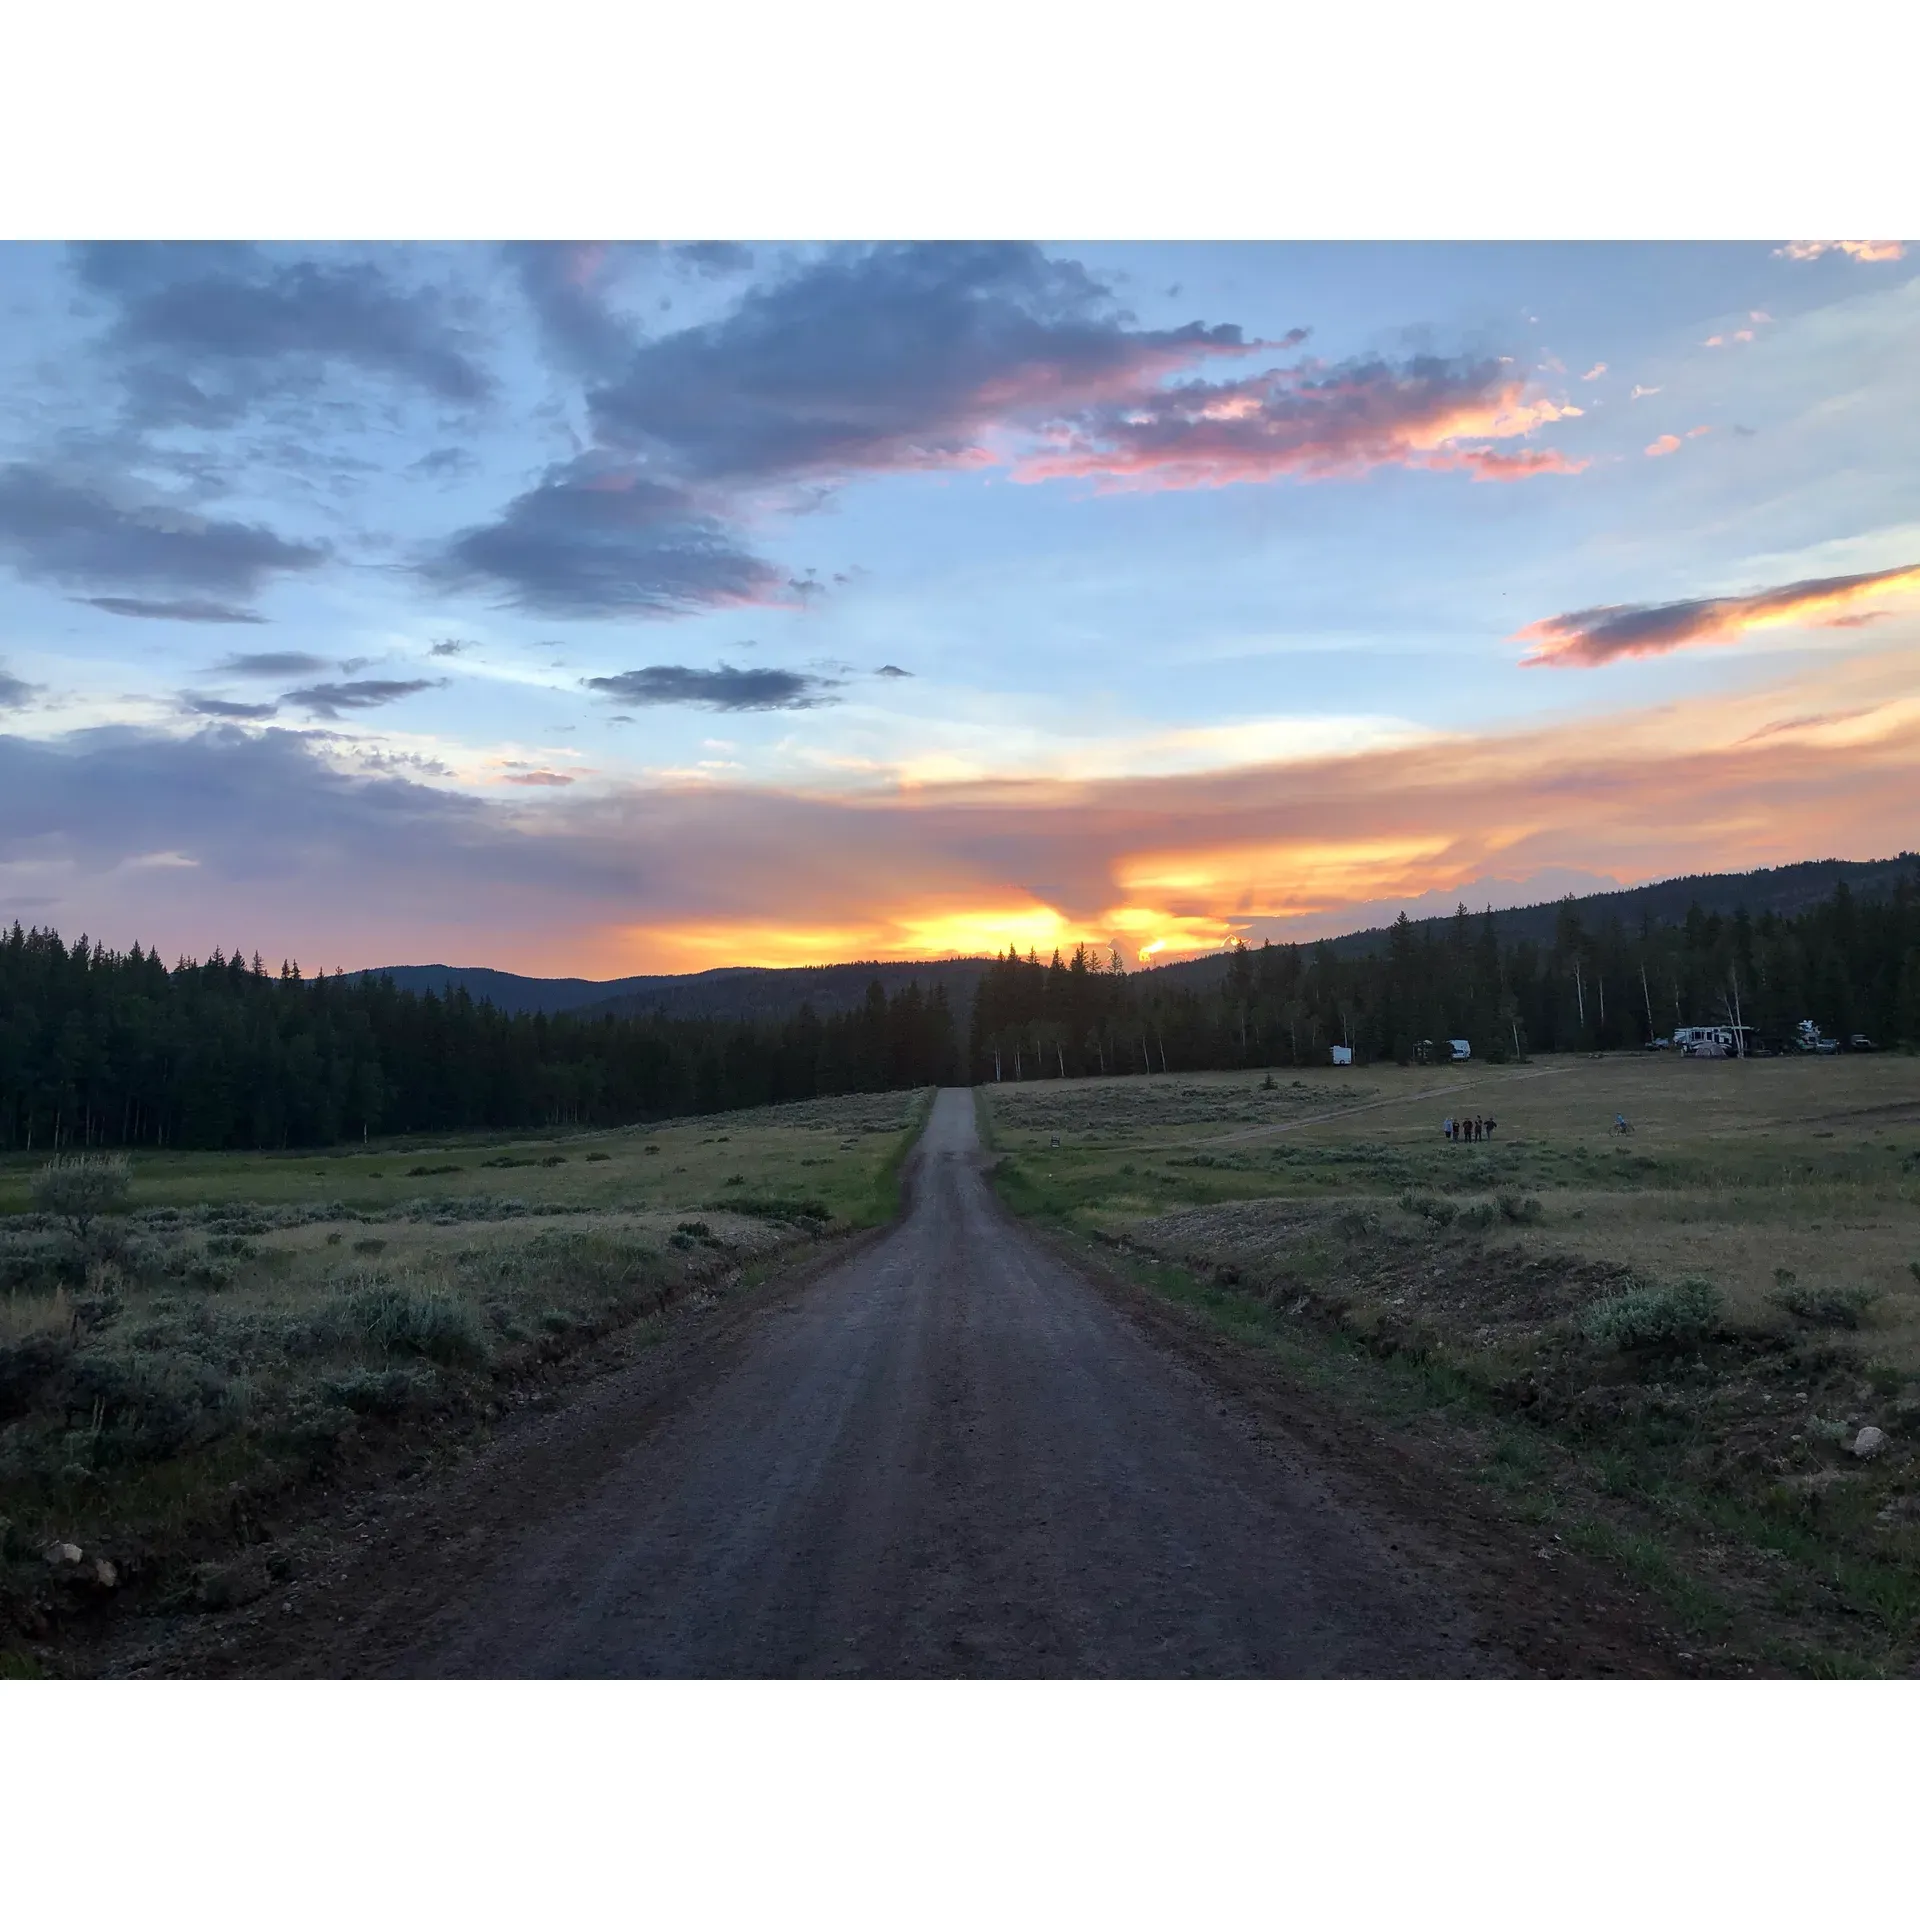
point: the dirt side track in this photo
(948, 1451)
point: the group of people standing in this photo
(1477, 1129)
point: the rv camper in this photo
(1343, 1056)
(1713, 1043)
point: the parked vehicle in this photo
(1343, 1056)
(1809, 1039)
(1861, 1044)
(1461, 1050)
(1714, 1043)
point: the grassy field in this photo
(1667, 1342)
(252, 1325)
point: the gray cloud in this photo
(206, 332)
(352, 696)
(729, 689)
(69, 531)
(215, 709)
(272, 666)
(14, 692)
(564, 282)
(893, 673)
(885, 357)
(208, 612)
(597, 540)
(444, 463)
(712, 258)
(446, 649)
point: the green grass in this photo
(257, 1325)
(1609, 1324)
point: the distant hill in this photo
(754, 993)
(1782, 890)
(729, 993)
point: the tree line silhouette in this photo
(1852, 966)
(107, 1049)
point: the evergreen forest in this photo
(107, 1049)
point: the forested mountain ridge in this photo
(1784, 891)
(749, 992)
(725, 993)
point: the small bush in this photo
(1479, 1217)
(29, 1360)
(361, 1246)
(77, 1188)
(372, 1390)
(1677, 1316)
(334, 1239)
(427, 1173)
(599, 1156)
(1356, 1222)
(1520, 1209)
(554, 1160)
(650, 1147)
(1430, 1206)
(23, 1316)
(789, 1212)
(399, 1319)
(211, 1276)
(1826, 1306)
(228, 1246)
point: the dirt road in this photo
(946, 1455)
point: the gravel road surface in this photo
(946, 1455)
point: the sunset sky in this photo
(623, 608)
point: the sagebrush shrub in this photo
(1677, 1316)
(1826, 1306)
(395, 1318)
(77, 1188)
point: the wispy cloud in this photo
(599, 539)
(1667, 443)
(272, 666)
(725, 689)
(331, 702)
(74, 530)
(1596, 635)
(1311, 421)
(1595, 371)
(213, 708)
(206, 612)
(1867, 250)
(205, 333)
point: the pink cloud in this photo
(1596, 635)
(1864, 250)
(1595, 371)
(1309, 421)
(1667, 443)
